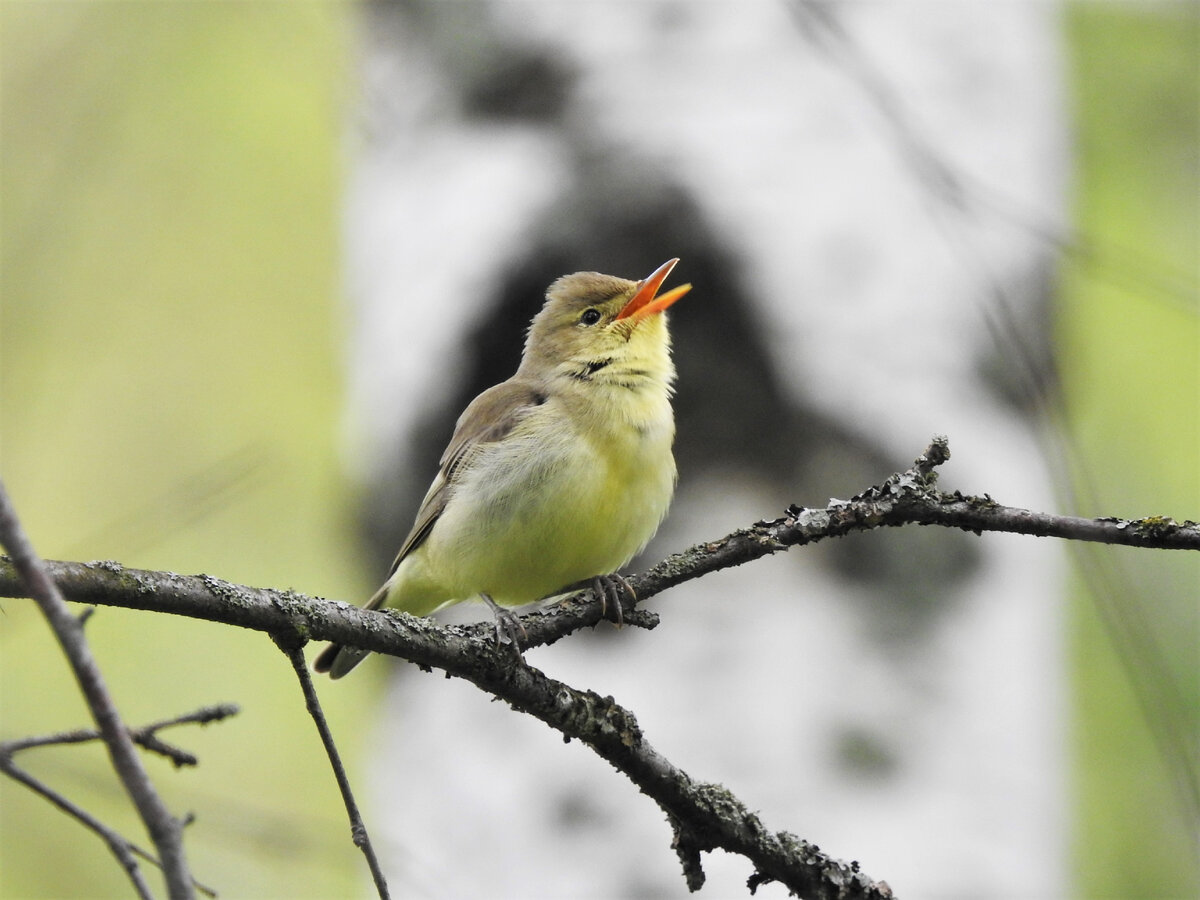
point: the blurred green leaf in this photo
(1130, 355)
(170, 368)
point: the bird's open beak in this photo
(644, 303)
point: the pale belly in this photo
(540, 515)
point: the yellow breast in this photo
(564, 497)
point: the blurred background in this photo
(255, 257)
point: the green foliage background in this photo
(172, 325)
(170, 333)
(1129, 349)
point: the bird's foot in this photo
(608, 588)
(507, 625)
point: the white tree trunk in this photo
(898, 699)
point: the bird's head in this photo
(595, 323)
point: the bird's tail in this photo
(338, 659)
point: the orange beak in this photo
(643, 303)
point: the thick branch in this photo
(903, 499)
(705, 816)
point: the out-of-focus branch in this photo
(126, 851)
(146, 736)
(165, 830)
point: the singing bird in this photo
(560, 474)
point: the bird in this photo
(561, 474)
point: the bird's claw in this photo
(507, 625)
(609, 588)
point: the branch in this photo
(704, 816)
(909, 498)
(292, 647)
(125, 850)
(165, 831)
(146, 736)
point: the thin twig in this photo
(146, 736)
(165, 831)
(124, 849)
(121, 848)
(293, 649)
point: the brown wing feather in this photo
(488, 418)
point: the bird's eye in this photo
(590, 317)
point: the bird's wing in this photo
(487, 419)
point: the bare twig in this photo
(122, 849)
(293, 648)
(146, 736)
(165, 831)
(125, 850)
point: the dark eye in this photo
(590, 317)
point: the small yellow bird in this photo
(559, 474)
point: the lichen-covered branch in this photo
(704, 816)
(908, 498)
